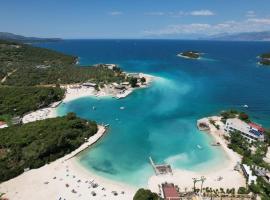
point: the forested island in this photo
(264, 59)
(190, 54)
(34, 144)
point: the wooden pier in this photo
(161, 169)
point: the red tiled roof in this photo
(256, 126)
(170, 192)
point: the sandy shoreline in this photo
(74, 92)
(223, 176)
(65, 178)
(67, 174)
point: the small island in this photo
(264, 59)
(190, 54)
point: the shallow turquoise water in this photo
(150, 125)
(160, 121)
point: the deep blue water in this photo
(161, 121)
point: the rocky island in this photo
(190, 54)
(264, 59)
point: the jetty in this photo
(161, 169)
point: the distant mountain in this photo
(20, 38)
(247, 36)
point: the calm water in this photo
(161, 121)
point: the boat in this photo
(94, 108)
(215, 144)
(245, 106)
(106, 125)
(199, 146)
(122, 108)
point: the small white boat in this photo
(106, 125)
(94, 108)
(199, 146)
(122, 108)
(245, 106)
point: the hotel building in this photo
(251, 131)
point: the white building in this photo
(250, 131)
(110, 66)
(248, 174)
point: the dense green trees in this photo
(241, 146)
(265, 59)
(29, 66)
(234, 114)
(20, 100)
(35, 144)
(242, 190)
(244, 117)
(191, 54)
(143, 80)
(133, 82)
(143, 194)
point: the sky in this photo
(86, 19)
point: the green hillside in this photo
(34, 144)
(25, 65)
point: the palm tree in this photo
(202, 181)
(194, 183)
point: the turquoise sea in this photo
(160, 121)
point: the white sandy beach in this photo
(222, 176)
(65, 179)
(75, 91)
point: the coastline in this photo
(35, 183)
(74, 92)
(182, 178)
(224, 171)
(65, 178)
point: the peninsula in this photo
(34, 78)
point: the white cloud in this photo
(248, 25)
(181, 13)
(156, 13)
(202, 13)
(114, 13)
(250, 14)
(181, 28)
(260, 20)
